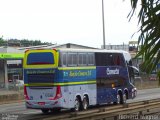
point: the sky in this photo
(67, 21)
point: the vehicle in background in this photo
(153, 77)
(76, 78)
(16, 84)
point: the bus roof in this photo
(91, 50)
(83, 50)
(126, 54)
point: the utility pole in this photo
(103, 23)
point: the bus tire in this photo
(135, 93)
(45, 111)
(124, 98)
(77, 105)
(85, 103)
(121, 97)
(118, 99)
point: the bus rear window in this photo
(40, 58)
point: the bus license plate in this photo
(41, 103)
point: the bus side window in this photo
(110, 60)
(123, 62)
(64, 59)
(85, 59)
(104, 59)
(75, 58)
(91, 60)
(72, 59)
(119, 60)
(82, 59)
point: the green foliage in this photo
(149, 38)
(21, 43)
(1, 41)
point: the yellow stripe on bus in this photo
(62, 84)
(75, 83)
(39, 84)
(76, 68)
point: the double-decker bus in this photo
(75, 78)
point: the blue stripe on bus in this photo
(72, 75)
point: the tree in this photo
(1, 41)
(149, 38)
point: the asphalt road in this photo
(19, 108)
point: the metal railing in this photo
(116, 112)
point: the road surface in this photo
(19, 108)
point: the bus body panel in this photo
(73, 82)
(108, 83)
(49, 85)
(79, 81)
(69, 94)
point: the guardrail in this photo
(117, 112)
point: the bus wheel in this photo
(77, 105)
(118, 99)
(124, 98)
(135, 93)
(45, 111)
(85, 103)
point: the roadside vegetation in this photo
(149, 30)
(21, 43)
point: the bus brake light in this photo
(58, 93)
(25, 93)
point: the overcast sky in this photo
(67, 21)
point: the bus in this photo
(56, 79)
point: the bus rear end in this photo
(40, 91)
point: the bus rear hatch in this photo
(39, 74)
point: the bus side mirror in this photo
(136, 73)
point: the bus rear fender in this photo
(79, 96)
(119, 91)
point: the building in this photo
(10, 64)
(132, 47)
(117, 47)
(68, 45)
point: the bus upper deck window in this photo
(91, 59)
(82, 59)
(72, 59)
(64, 59)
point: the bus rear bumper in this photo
(42, 104)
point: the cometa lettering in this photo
(112, 72)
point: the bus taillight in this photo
(58, 93)
(25, 93)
